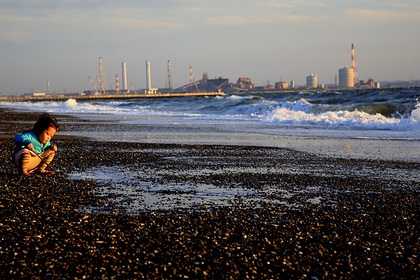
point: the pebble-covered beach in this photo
(343, 221)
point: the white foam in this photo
(415, 114)
(299, 112)
(237, 97)
(71, 106)
(355, 119)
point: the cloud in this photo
(404, 5)
(245, 20)
(68, 24)
(276, 4)
(264, 12)
(382, 15)
(16, 28)
(134, 18)
(13, 37)
(292, 3)
(138, 23)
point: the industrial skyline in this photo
(59, 41)
(347, 78)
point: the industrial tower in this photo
(117, 81)
(191, 75)
(169, 75)
(124, 76)
(148, 77)
(149, 89)
(101, 78)
(354, 67)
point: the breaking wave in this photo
(377, 110)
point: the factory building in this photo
(244, 83)
(215, 84)
(281, 85)
(369, 84)
(311, 81)
(292, 84)
(346, 77)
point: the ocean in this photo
(374, 124)
(364, 123)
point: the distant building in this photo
(292, 84)
(346, 77)
(311, 81)
(369, 84)
(204, 85)
(215, 84)
(151, 91)
(281, 85)
(244, 83)
(35, 94)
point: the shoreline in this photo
(174, 131)
(103, 97)
(364, 226)
(329, 142)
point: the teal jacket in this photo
(22, 140)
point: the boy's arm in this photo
(22, 140)
(51, 146)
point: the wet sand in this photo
(362, 225)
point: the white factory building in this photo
(311, 81)
(346, 77)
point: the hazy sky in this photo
(61, 40)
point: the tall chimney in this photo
(124, 76)
(148, 78)
(169, 75)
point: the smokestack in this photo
(118, 83)
(354, 67)
(124, 76)
(148, 78)
(169, 75)
(191, 75)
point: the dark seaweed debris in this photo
(370, 233)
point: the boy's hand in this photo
(30, 147)
(54, 148)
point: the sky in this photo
(60, 41)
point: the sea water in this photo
(381, 124)
(364, 123)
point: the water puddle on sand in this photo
(134, 191)
(137, 191)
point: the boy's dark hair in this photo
(44, 122)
